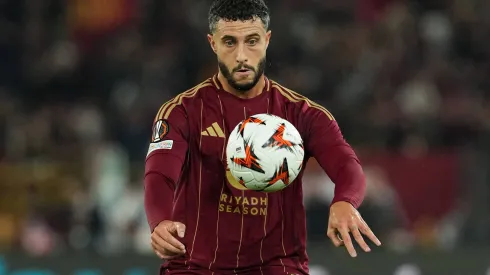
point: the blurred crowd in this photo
(81, 80)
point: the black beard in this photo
(259, 71)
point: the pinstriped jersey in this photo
(230, 229)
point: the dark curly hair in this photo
(234, 10)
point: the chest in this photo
(218, 117)
(211, 125)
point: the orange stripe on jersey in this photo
(311, 103)
(215, 81)
(167, 105)
(268, 83)
(295, 97)
(187, 95)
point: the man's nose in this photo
(241, 56)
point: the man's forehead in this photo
(240, 28)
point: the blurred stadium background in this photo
(80, 82)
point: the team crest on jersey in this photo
(160, 130)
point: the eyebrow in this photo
(252, 35)
(230, 37)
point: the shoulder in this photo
(180, 102)
(300, 102)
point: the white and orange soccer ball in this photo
(265, 153)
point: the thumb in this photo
(179, 228)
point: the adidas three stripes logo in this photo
(214, 131)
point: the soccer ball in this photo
(265, 153)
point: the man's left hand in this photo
(345, 220)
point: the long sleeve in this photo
(324, 141)
(164, 164)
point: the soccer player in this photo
(202, 220)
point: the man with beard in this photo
(202, 222)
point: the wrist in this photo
(350, 201)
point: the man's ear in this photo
(211, 42)
(267, 38)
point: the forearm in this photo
(338, 160)
(161, 173)
(350, 184)
(342, 166)
(159, 197)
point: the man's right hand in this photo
(164, 239)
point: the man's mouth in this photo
(243, 70)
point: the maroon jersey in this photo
(230, 230)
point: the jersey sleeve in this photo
(325, 142)
(164, 163)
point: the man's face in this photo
(241, 50)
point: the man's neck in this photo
(255, 91)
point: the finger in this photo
(180, 228)
(158, 250)
(339, 237)
(172, 249)
(168, 242)
(169, 238)
(163, 252)
(332, 234)
(163, 248)
(177, 229)
(344, 233)
(364, 228)
(358, 237)
(166, 235)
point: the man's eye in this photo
(229, 43)
(252, 41)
